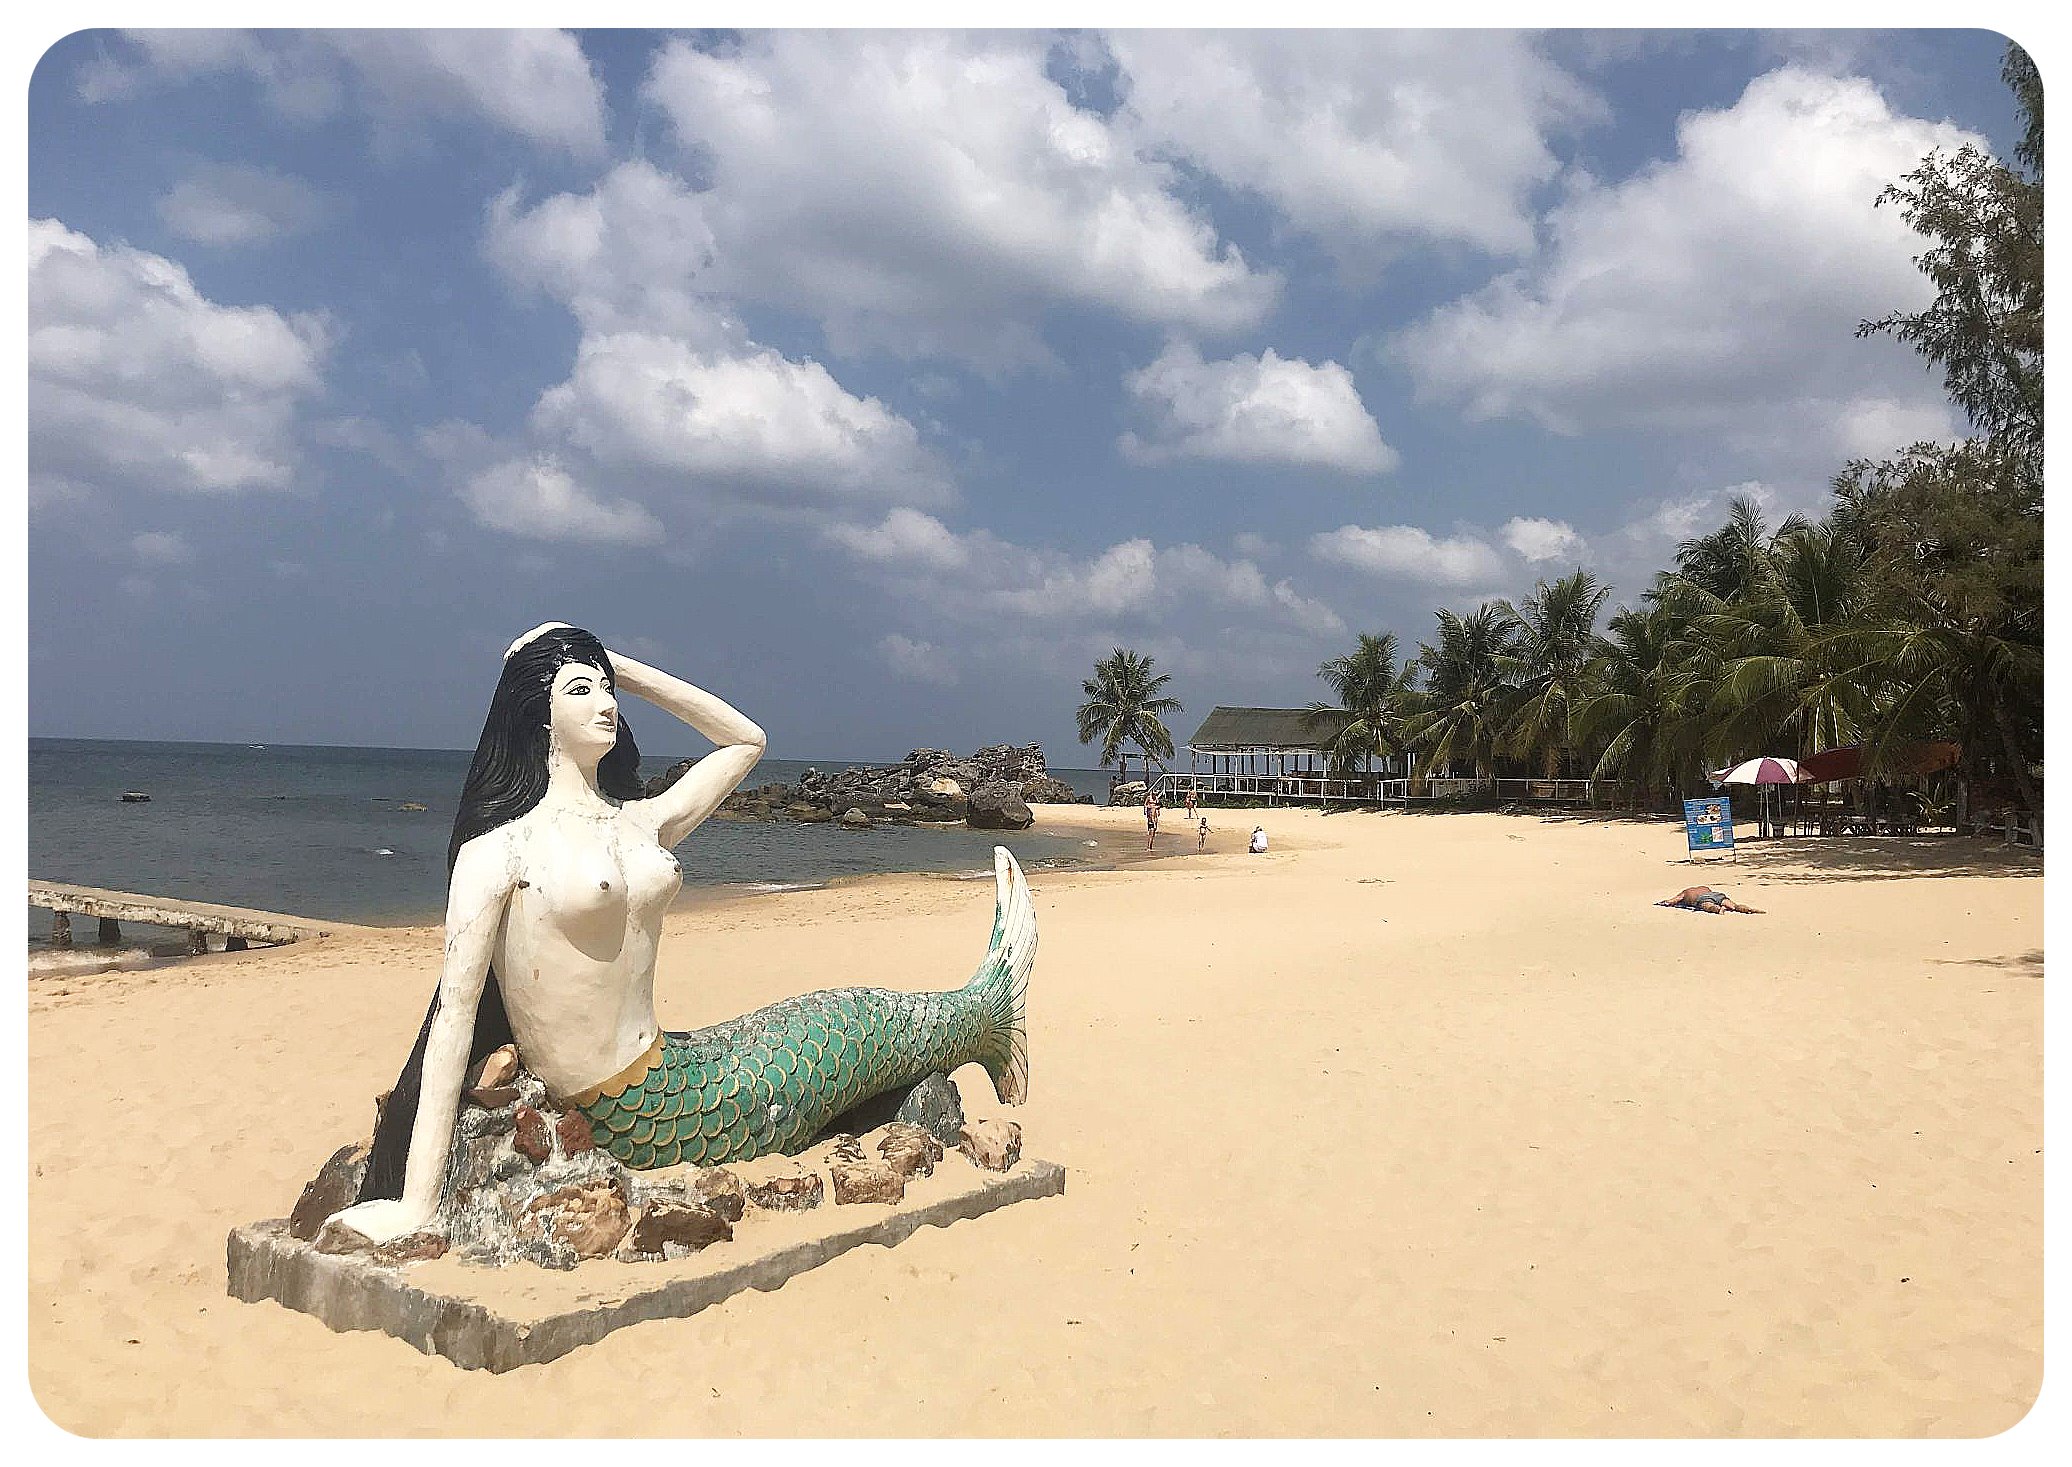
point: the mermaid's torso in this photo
(575, 955)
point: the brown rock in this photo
(492, 1097)
(336, 1237)
(844, 1147)
(867, 1181)
(413, 1249)
(589, 1217)
(719, 1189)
(498, 1068)
(574, 1130)
(684, 1223)
(992, 1143)
(910, 1150)
(794, 1193)
(531, 1135)
(335, 1187)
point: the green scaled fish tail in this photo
(770, 1081)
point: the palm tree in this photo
(1554, 635)
(1461, 712)
(1123, 706)
(1733, 560)
(1639, 703)
(1373, 694)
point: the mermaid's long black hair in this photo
(506, 779)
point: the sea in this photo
(319, 831)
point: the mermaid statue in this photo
(559, 873)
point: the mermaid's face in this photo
(582, 711)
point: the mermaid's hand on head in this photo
(545, 626)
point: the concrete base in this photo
(499, 1319)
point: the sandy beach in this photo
(1418, 1125)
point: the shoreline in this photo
(1355, 1148)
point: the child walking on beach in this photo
(1201, 836)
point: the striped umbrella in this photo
(1759, 771)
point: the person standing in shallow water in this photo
(1150, 818)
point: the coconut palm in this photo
(1553, 634)
(1123, 706)
(1373, 693)
(1638, 706)
(1462, 709)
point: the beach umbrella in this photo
(1759, 771)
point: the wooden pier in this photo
(241, 926)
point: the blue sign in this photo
(1709, 824)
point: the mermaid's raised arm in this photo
(678, 810)
(483, 878)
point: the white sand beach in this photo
(1414, 1126)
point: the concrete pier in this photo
(241, 926)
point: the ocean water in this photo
(321, 832)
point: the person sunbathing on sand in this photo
(1705, 899)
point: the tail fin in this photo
(1003, 980)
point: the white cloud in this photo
(540, 500)
(933, 192)
(136, 377)
(752, 417)
(534, 83)
(977, 577)
(161, 547)
(1541, 539)
(1718, 292)
(1362, 138)
(1409, 553)
(907, 537)
(919, 662)
(233, 204)
(1253, 409)
(630, 254)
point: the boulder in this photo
(720, 1190)
(1043, 790)
(909, 1150)
(855, 819)
(336, 1186)
(932, 1103)
(586, 1218)
(530, 1135)
(498, 1068)
(866, 1181)
(688, 1225)
(998, 806)
(992, 1143)
(792, 1192)
(1129, 792)
(668, 777)
(808, 814)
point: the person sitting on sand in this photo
(1705, 899)
(1258, 845)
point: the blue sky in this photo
(882, 382)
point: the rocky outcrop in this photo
(989, 790)
(525, 1181)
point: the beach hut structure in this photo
(1272, 754)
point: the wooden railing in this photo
(1311, 788)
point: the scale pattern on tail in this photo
(771, 1080)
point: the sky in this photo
(883, 382)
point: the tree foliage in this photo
(1124, 705)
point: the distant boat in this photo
(255, 746)
(135, 797)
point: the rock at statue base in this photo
(575, 1133)
(992, 1143)
(910, 1150)
(587, 1219)
(531, 1136)
(498, 1069)
(492, 1097)
(719, 1189)
(414, 1249)
(332, 1189)
(794, 1193)
(866, 1181)
(932, 1103)
(998, 806)
(687, 1225)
